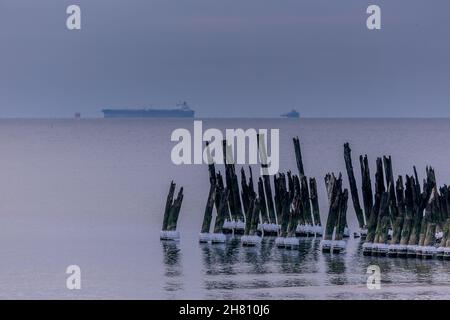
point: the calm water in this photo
(92, 193)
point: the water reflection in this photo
(231, 271)
(172, 263)
(335, 268)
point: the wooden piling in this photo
(353, 189)
(175, 212)
(314, 201)
(169, 203)
(298, 156)
(222, 209)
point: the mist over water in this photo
(92, 193)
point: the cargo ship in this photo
(183, 111)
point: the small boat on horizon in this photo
(292, 114)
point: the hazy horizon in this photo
(246, 58)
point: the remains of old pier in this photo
(171, 213)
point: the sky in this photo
(226, 58)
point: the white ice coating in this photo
(428, 249)
(338, 244)
(268, 227)
(291, 241)
(309, 229)
(317, 230)
(218, 237)
(229, 225)
(279, 242)
(381, 247)
(169, 235)
(346, 232)
(397, 247)
(251, 240)
(204, 237)
(326, 244)
(240, 225)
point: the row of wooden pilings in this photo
(398, 218)
(286, 207)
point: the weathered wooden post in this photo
(298, 156)
(427, 241)
(353, 189)
(318, 230)
(445, 218)
(236, 225)
(207, 217)
(291, 241)
(245, 192)
(171, 214)
(373, 217)
(251, 237)
(169, 203)
(306, 206)
(409, 217)
(341, 223)
(366, 189)
(394, 246)
(229, 223)
(222, 195)
(269, 227)
(266, 178)
(334, 190)
(380, 246)
(280, 240)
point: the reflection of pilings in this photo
(173, 267)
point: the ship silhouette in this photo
(183, 111)
(291, 114)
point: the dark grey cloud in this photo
(225, 57)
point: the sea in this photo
(91, 193)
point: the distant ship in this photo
(183, 111)
(292, 114)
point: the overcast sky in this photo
(226, 57)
